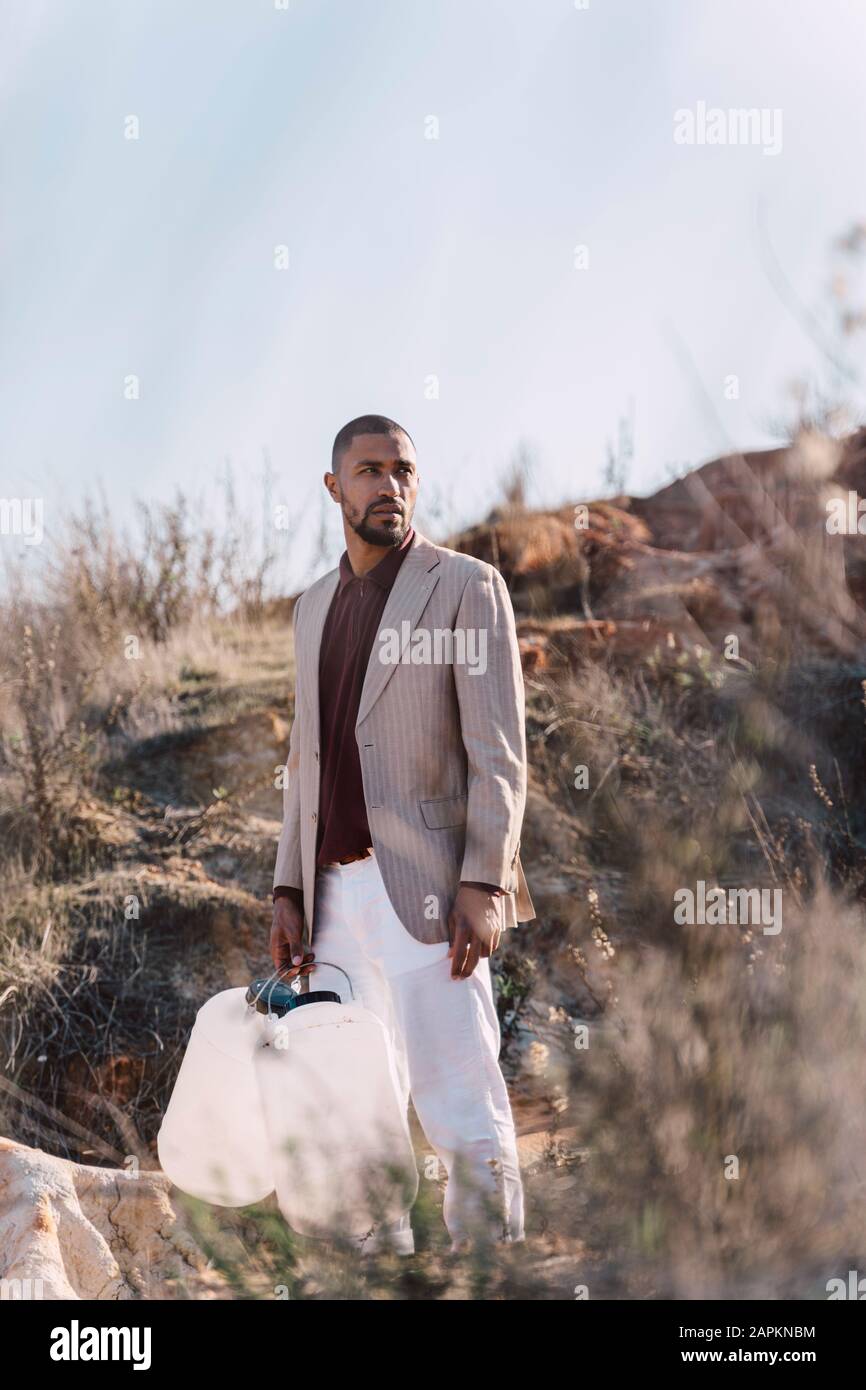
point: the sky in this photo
(432, 170)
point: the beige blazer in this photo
(441, 737)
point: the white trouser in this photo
(446, 1040)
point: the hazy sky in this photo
(409, 258)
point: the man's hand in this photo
(287, 933)
(474, 929)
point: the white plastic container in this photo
(297, 1092)
(212, 1142)
(340, 1142)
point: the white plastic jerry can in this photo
(212, 1142)
(333, 1107)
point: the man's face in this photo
(377, 486)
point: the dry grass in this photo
(149, 777)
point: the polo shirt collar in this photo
(383, 573)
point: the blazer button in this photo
(314, 815)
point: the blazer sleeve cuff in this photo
(284, 890)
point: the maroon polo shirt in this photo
(350, 630)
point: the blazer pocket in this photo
(442, 811)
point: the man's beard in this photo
(388, 539)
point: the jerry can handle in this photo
(334, 967)
(276, 975)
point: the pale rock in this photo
(92, 1233)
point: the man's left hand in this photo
(474, 929)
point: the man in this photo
(403, 801)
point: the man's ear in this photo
(332, 484)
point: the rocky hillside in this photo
(700, 654)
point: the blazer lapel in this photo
(416, 579)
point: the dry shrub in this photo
(97, 649)
(732, 1050)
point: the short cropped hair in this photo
(365, 424)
